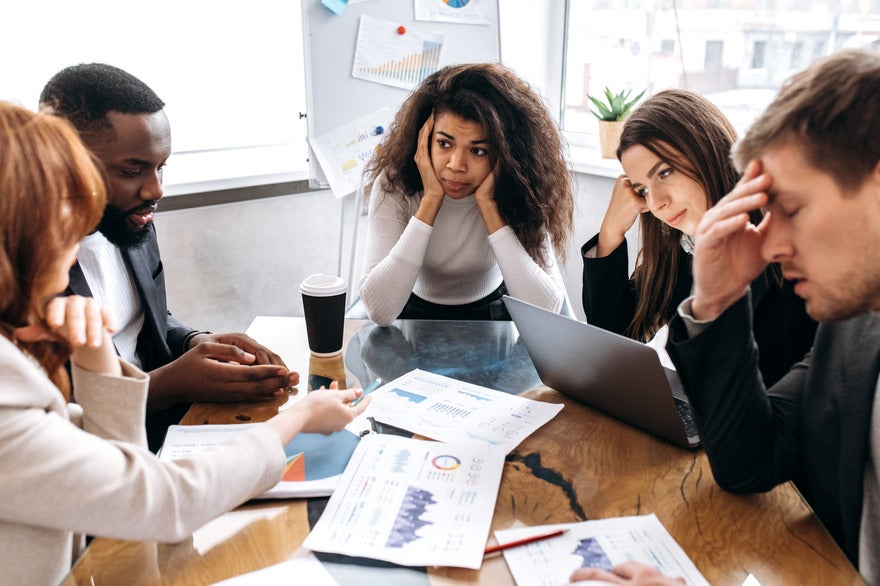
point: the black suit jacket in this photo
(783, 329)
(163, 336)
(811, 427)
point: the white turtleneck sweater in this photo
(453, 262)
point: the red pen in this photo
(518, 542)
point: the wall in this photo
(227, 264)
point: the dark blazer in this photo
(783, 329)
(811, 427)
(163, 336)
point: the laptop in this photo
(608, 372)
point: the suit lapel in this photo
(139, 267)
(78, 284)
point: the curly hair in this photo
(691, 135)
(51, 195)
(533, 186)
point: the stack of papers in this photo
(430, 503)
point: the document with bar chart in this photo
(602, 543)
(390, 54)
(412, 502)
(450, 410)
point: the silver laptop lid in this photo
(603, 370)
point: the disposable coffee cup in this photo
(323, 299)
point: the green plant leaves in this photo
(615, 106)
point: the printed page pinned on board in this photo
(344, 151)
(386, 55)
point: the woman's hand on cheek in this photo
(624, 208)
(485, 198)
(430, 183)
(486, 189)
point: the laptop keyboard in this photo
(687, 417)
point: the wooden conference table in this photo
(581, 465)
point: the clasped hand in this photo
(229, 367)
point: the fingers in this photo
(425, 131)
(731, 213)
(486, 189)
(594, 574)
(262, 355)
(224, 353)
(80, 320)
(423, 147)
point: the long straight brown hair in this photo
(51, 195)
(691, 135)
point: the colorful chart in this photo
(410, 516)
(409, 70)
(312, 456)
(383, 55)
(446, 462)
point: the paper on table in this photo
(314, 461)
(450, 410)
(599, 544)
(299, 569)
(658, 343)
(412, 502)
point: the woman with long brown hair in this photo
(84, 468)
(675, 152)
(469, 197)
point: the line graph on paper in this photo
(383, 55)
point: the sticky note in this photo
(336, 6)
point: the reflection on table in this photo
(488, 354)
(582, 465)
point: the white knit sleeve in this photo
(396, 245)
(524, 278)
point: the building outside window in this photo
(735, 52)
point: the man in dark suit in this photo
(813, 160)
(123, 123)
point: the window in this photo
(714, 54)
(758, 54)
(736, 52)
(231, 74)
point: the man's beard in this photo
(114, 227)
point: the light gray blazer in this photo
(85, 469)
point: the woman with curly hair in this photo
(675, 153)
(469, 198)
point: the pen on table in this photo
(524, 541)
(370, 388)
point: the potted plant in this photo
(611, 114)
